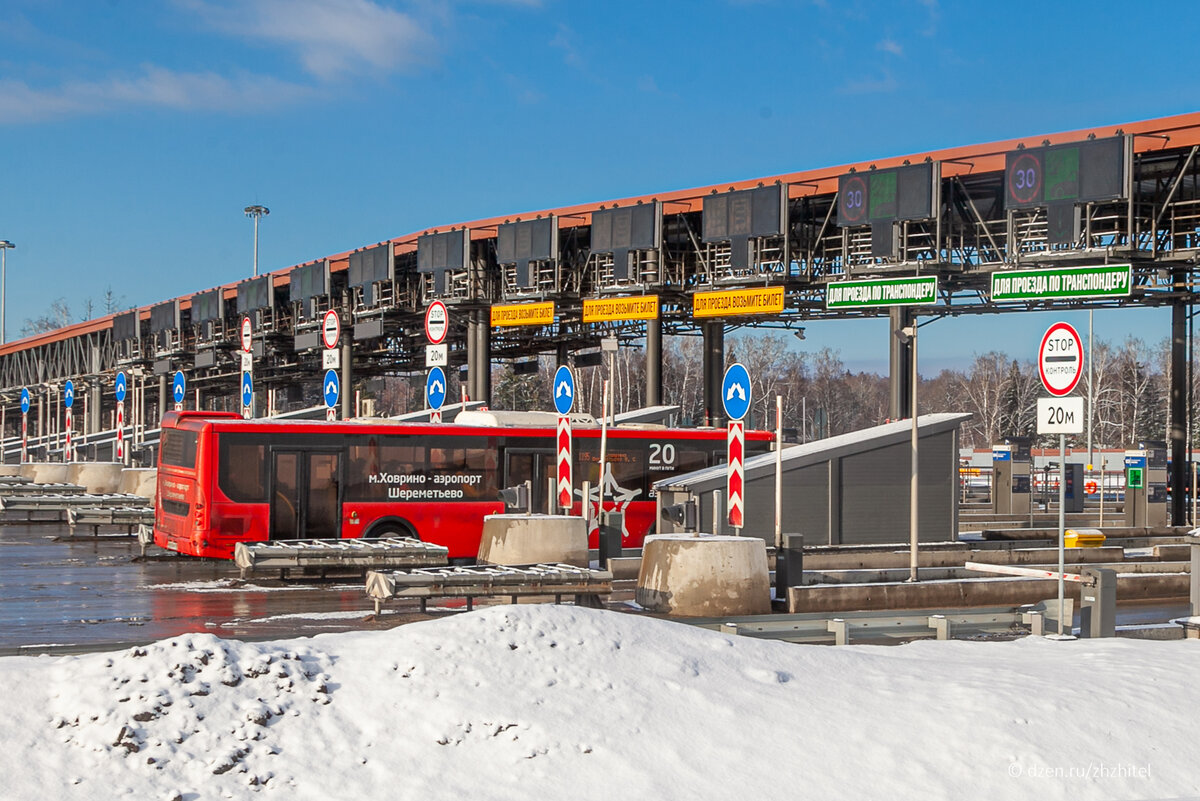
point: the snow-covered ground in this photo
(562, 702)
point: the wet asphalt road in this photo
(61, 594)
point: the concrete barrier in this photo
(46, 472)
(533, 539)
(704, 576)
(98, 478)
(10, 469)
(139, 481)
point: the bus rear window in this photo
(179, 447)
(241, 468)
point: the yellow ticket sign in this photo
(738, 301)
(523, 314)
(604, 310)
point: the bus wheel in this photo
(392, 528)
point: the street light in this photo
(4, 247)
(256, 212)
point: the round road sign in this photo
(247, 389)
(24, 400)
(564, 390)
(435, 388)
(1060, 359)
(331, 387)
(1090, 488)
(69, 394)
(331, 329)
(735, 391)
(122, 386)
(247, 334)
(179, 387)
(437, 322)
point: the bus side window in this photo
(240, 472)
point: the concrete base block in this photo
(531, 539)
(10, 469)
(46, 472)
(141, 481)
(98, 478)
(704, 576)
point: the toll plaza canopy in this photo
(1106, 216)
(852, 489)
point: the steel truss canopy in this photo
(1102, 217)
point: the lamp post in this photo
(4, 247)
(256, 211)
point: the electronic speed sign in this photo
(1060, 359)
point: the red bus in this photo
(224, 480)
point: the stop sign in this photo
(1060, 359)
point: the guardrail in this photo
(586, 584)
(332, 554)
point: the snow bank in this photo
(564, 702)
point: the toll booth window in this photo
(178, 447)
(240, 470)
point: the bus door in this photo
(534, 465)
(305, 494)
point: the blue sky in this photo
(132, 133)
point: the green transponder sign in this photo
(1102, 281)
(911, 291)
(1135, 479)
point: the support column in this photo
(347, 377)
(1177, 422)
(654, 362)
(479, 358)
(899, 365)
(714, 372)
(162, 396)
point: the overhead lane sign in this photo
(911, 291)
(605, 310)
(1101, 281)
(523, 314)
(734, 302)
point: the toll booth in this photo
(1011, 463)
(1146, 484)
(1073, 495)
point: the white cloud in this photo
(331, 38)
(890, 46)
(154, 87)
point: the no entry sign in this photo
(1060, 359)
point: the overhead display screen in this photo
(371, 265)
(164, 317)
(745, 213)
(255, 294)
(444, 251)
(898, 193)
(1076, 172)
(125, 326)
(530, 240)
(308, 281)
(630, 228)
(207, 306)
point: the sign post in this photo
(68, 401)
(122, 388)
(435, 393)
(564, 398)
(735, 397)
(1060, 364)
(24, 424)
(331, 334)
(247, 368)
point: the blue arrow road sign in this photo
(564, 390)
(332, 387)
(122, 387)
(69, 394)
(435, 388)
(24, 400)
(179, 387)
(735, 391)
(247, 389)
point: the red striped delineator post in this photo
(330, 414)
(24, 438)
(67, 426)
(435, 416)
(736, 441)
(120, 430)
(564, 462)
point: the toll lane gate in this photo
(1095, 218)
